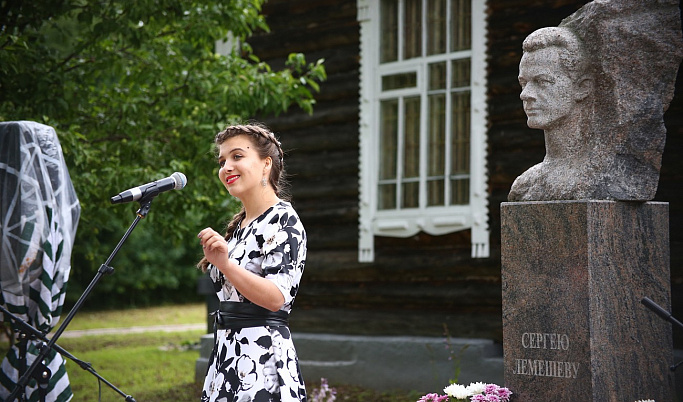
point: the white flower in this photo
(254, 266)
(646, 400)
(273, 236)
(476, 388)
(246, 371)
(457, 391)
(270, 375)
(274, 259)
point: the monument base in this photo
(573, 276)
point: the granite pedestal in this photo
(573, 276)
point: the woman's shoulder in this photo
(283, 207)
(285, 213)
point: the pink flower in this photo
(478, 392)
(501, 392)
(504, 393)
(434, 398)
(491, 389)
(485, 398)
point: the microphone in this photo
(175, 182)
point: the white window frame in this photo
(432, 220)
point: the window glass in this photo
(460, 145)
(436, 161)
(437, 76)
(437, 17)
(461, 25)
(460, 73)
(410, 194)
(399, 81)
(388, 152)
(411, 159)
(389, 31)
(412, 28)
(411, 154)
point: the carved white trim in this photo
(478, 185)
(368, 59)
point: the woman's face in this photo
(241, 167)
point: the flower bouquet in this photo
(476, 392)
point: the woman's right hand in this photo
(214, 246)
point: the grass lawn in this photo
(157, 367)
(165, 315)
(150, 367)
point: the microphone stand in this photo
(105, 269)
(657, 309)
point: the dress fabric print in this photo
(260, 364)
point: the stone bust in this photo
(598, 86)
(557, 94)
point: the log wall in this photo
(423, 284)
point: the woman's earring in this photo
(263, 182)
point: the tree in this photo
(136, 91)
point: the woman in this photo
(256, 268)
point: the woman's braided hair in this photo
(266, 145)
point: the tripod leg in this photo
(22, 346)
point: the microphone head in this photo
(179, 179)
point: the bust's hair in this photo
(267, 145)
(572, 53)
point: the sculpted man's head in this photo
(555, 77)
(557, 88)
(598, 86)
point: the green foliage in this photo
(136, 91)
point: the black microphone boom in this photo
(657, 309)
(175, 182)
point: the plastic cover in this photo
(39, 213)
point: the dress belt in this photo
(235, 315)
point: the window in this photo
(422, 120)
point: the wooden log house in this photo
(421, 284)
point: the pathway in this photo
(132, 330)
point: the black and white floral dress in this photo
(260, 364)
